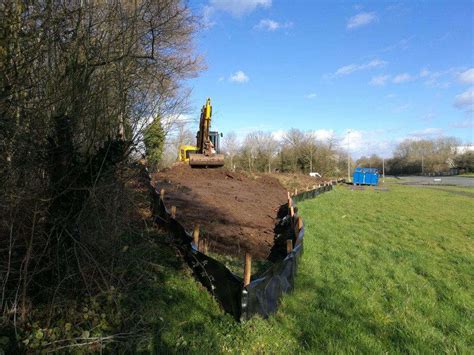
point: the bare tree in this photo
(231, 147)
(424, 155)
(266, 148)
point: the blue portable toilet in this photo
(365, 176)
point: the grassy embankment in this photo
(382, 271)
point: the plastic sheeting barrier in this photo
(263, 293)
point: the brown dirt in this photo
(236, 212)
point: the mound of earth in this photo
(236, 213)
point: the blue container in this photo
(365, 176)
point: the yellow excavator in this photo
(207, 151)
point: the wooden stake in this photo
(162, 194)
(296, 191)
(247, 269)
(196, 236)
(289, 246)
(300, 223)
(173, 212)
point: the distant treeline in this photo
(296, 151)
(424, 156)
(303, 152)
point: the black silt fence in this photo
(261, 296)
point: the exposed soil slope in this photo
(235, 212)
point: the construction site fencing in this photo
(261, 294)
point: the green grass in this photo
(236, 264)
(383, 271)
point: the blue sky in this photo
(374, 72)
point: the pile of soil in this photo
(236, 213)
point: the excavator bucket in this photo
(214, 160)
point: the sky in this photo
(369, 73)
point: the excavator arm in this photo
(204, 127)
(206, 153)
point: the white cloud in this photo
(207, 13)
(379, 80)
(402, 78)
(467, 77)
(468, 123)
(311, 96)
(465, 100)
(279, 134)
(424, 73)
(271, 25)
(428, 117)
(401, 108)
(361, 19)
(362, 142)
(426, 133)
(174, 122)
(351, 68)
(347, 69)
(324, 134)
(402, 44)
(439, 79)
(239, 8)
(239, 77)
(352, 139)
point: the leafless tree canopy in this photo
(297, 151)
(425, 155)
(79, 82)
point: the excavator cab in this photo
(214, 137)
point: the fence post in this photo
(196, 236)
(300, 223)
(247, 269)
(173, 212)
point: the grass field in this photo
(383, 271)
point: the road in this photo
(430, 180)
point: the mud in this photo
(236, 212)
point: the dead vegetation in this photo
(80, 82)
